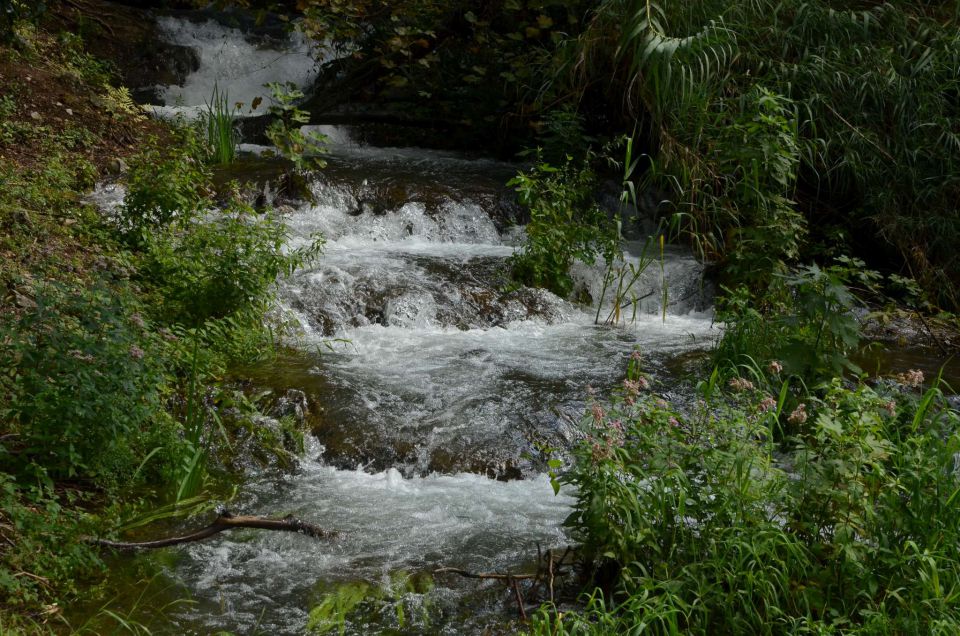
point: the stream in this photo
(435, 390)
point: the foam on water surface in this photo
(386, 524)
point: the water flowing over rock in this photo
(239, 63)
(432, 384)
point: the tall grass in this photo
(219, 120)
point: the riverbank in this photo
(116, 332)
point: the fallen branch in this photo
(225, 521)
(497, 576)
(512, 581)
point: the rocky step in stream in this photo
(437, 390)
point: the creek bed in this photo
(434, 390)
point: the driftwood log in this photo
(224, 521)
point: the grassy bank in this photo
(116, 330)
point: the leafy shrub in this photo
(83, 384)
(220, 265)
(40, 543)
(565, 225)
(284, 131)
(711, 529)
(808, 325)
(162, 184)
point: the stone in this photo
(23, 301)
(117, 166)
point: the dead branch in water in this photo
(549, 567)
(224, 521)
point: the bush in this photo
(39, 543)
(163, 184)
(83, 384)
(807, 323)
(711, 529)
(199, 264)
(565, 225)
(216, 266)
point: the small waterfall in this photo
(438, 383)
(239, 64)
(439, 364)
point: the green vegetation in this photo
(13, 12)
(768, 120)
(303, 149)
(219, 120)
(782, 130)
(565, 225)
(700, 522)
(116, 332)
(395, 604)
(810, 328)
(797, 496)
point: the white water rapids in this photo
(438, 382)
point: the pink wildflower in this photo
(600, 452)
(767, 403)
(740, 384)
(912, 378)
(774, 367)
(891, 408)
(799, 415)
(136, 352)
(597, 413)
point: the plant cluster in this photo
(771, 119)
(303, 149)
(13, 12)
(397, 603)
(114, 347)
(566, 225)
(219, 123)
(809, 325)
(707, 525)
(84, 385)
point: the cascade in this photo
(439, 384)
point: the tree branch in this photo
(497, 576)
(224, 521)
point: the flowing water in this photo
(439, 390)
